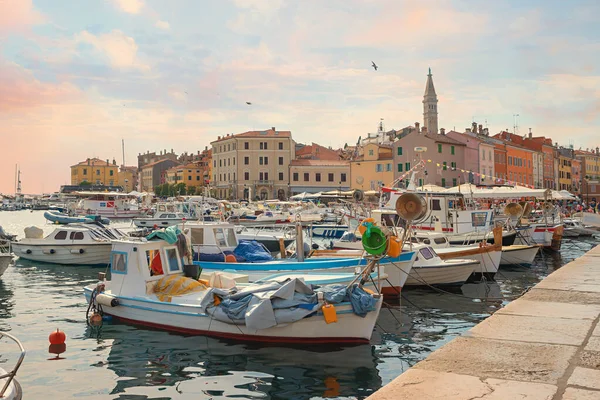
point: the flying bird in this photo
(374, 65)
(248, 103)
(185, 92)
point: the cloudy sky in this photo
(76, 77)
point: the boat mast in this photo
(123, 147)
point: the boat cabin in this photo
(104, 200)
(448, 212)
(211, 237)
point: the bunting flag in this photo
(494, 178)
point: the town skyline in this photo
(73, 88)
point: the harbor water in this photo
(118, 361)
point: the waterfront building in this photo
(314, 176)
(479, 154)
(252, 164)
(95, 171)
(128, 178)
(519, 160)
(500, 162)
(444, 156)
(590, 173)
(372, 168)
(540, 161)
(576, 176)
(153, 174)
(192, 174)
(565, 170)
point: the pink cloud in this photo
(129, 6)
(18, 16)
(120, 49)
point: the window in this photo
(427, 253)
(111, 172)
(219, 237)
(407, 166)
(85, 171)
(266, 176)
(509, 160)
(371, 152)
(280, 160)
(436, 205)
(246, 176)
(445, 167)
(261, 146)
(453, 165)
(264, 145)
(439, 148)
(343, 177)
(189, 178)
(330, 177)
(295, 177)
(400, 167)
(318, 177)
(261, 176)
(260, 160)
(172, 259)
(443, 182)
(233, 162)
(266, 160)
(197, 177)
(61, 235)
(97, 172)
(399, 151)
(388, 167)
(118, 264)
(306, 178)
(379, 168)
(452, 150)
(215, 163)
(220, 163)
(478, 218)
(281, 176)
(453, 181)
(246, 145)
(280, 145)
(246, 160)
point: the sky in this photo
(77, 77)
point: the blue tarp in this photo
(251, 251)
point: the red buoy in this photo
(57, 337)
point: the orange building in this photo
(500, 162)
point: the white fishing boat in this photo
(574, 225)
(10, 389)
(5, 260)
(588, 219)
(160, 220)
(274, 240)
(77, 244)
(172, 301)
(517, 254)
(108, 204)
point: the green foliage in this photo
(191, 190)
(85, 183)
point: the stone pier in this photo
(544, 345)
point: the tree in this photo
(191, 190)
(179, 189)
(158, 190)
(85, 183)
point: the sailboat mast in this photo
(123, 147)
(16, 167)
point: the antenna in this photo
(123, 147)
(516, 123)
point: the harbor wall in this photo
(544, 345)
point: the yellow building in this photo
(95, 171)
(191, 174)
(128, 178)
(373, 168)
(314, 176)
(564, 172)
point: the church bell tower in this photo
(430, 113)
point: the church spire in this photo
(430, 115)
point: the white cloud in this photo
(164, 25)
(129, 6)
(120, 49)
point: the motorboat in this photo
(288, 312)
(58, 217)
(590, 220)
(274, 240)
(430, 270)
(213, 243)
(5, 240)
(160, 220)
(519, 254)
(574, 225)
(75, 244)
(10, 389)
(330, 231)
(108, 204)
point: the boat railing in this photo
(11, 375)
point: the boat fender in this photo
(106, 300)
(52, 251)
(28, 251)
(81, 251)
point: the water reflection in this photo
(7, 304)
(200, 365)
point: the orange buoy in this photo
(57, 348)
(96, 319)
(230, 258)
(57, 337)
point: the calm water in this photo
(124, 362)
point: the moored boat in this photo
(10, 389)
(522, 255)
(5, 260)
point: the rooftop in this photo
(152, 164)
(257, 134)
(94, 161)
(304, 162)
(437, 137)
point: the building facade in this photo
(373, 168)
(312, 176)
(95, 171)
(479, 155)
(128, 178)
(590, 173)
(253, 165)
(153, 174)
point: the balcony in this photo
(263, 182)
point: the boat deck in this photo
(545, 345)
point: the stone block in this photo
(585, 377)
(551, 309)
(580, 394)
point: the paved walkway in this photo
(545, 345)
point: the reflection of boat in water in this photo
(203, 366)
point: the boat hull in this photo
(82, 254)
(522, 255)
(161, 223)
(188, 319)
(488, 258)
(5, 259)
(449, 274)
(329, 231)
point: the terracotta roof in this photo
(443, 139)
(94, 161)
(258, 134)
(152, 164)
(318, 162)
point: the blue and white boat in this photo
(333, 231)
(215, 242)
(57, 217)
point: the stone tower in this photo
(430, 114)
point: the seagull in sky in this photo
(374, 65)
